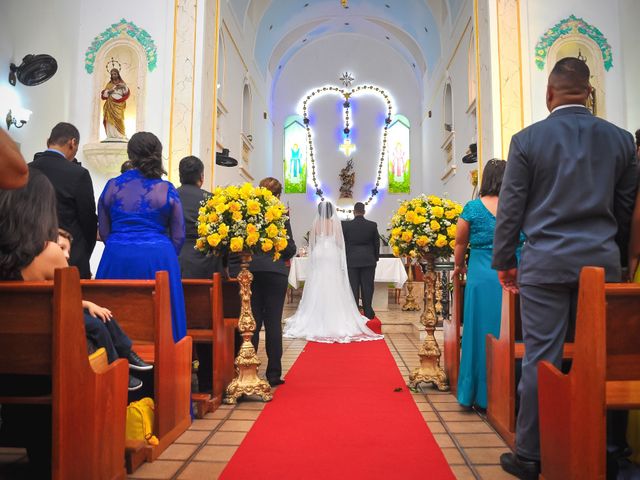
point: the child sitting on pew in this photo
(101, 328)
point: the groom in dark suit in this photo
(570, 186)
(363, 251)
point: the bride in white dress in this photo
(327, 312)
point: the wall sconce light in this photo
(17, 117)
(224, 160)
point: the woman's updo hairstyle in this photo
(145, 152)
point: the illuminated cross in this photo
(347, 147)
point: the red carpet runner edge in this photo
(339, 416)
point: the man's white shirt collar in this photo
(568, 106)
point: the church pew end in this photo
(206, 304)
(42, 333)
(605, 375)
(143, 309)
(502, 356)
(451, 327)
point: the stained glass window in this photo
(398, 158)
(295, 155)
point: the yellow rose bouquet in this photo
(425, 225)
(242, 219)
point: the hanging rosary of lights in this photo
(347, 79)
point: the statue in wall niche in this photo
(115, 95)
(347, 179)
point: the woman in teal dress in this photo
(483, 293)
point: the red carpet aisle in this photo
(338, 416)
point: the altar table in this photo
(388, 270)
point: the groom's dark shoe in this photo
(520, 467)
(274, 382)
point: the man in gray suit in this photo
(193, 263)
(570, 186)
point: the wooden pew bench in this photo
(143, 310)
(205, 304)
(42, 333)
(502, 356)
(452, 327)
(605, 374)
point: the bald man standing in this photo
(570, 186)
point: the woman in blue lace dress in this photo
(140, 220)
(483, 293)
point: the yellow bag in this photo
(140, 421)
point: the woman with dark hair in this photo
(483, 293)
(140, 220)
(29, 229)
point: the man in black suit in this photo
(363, 251)
(74, 192)
(570, 186)
(193, 263)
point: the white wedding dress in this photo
(327, 312)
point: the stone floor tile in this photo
(493, 472)
(202, 471)
(436, 427)
(158, 470)
(467, 440)
(217, 415)
(227, 438)
(430, 417)
(236, 426)
(193, 436)
(468, 416)
(485, 456)
(453, 456)
(245, 414)
(462, 472)
(216, 453)
(443, 440)
(424, 407)
(442, 397)
(178, 451)
(251, 405)
(448, 406)
(202, 424)
(469, 427)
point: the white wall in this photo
(321, 63)
(544, 14)
(452, 67)
(630, 60)
(240, 68)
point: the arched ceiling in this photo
(412, 27)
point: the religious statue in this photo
(115, 95)
(348, 178)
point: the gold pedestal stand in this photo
(429, 370)
(246, 381)
(410, 304)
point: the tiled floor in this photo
(470, 445)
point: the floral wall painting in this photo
(295, 155)
(123, 27)
(398, 157)
(568, 26)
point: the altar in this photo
(388, 271)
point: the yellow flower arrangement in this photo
(425, 225)
(242, 219)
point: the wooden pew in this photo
(42, 333)
(605, 374)
(451, 327)
(143, 310)
(231, 307)
(205, 324)
(502, 356)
